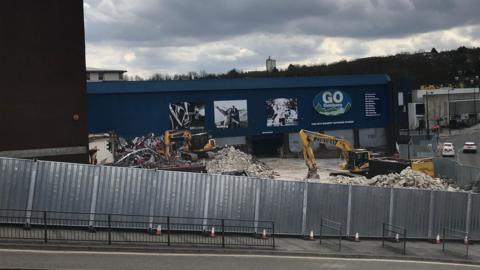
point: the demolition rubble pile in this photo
(235, 162)
(406, 178)
(144, 152)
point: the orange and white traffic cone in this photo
(212, 232)
(397, 238)
(357, 237)
(437, 240)
(311, 236)
(158, 231)
(264, 234)
(465, 240)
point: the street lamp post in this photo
(472, 82)
(426, 113)
(475, 98)
(448, 108)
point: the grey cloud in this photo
(167, 20)
(161, 31)
(217, 60)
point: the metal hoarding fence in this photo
(296, 207)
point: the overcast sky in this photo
(178, 36)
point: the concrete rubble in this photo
(147, 152)
(140, 152)
(406, 179)
(235, 162)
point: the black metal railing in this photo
(50, 226)
(331, 229)
(454, 236)
(394, 234)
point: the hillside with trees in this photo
(422, 68)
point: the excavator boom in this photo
(349, 154)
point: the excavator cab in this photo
(201, 142)
(358, 161)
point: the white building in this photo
(99, 74)
(271, 64)
(442, 105)
(100, 142)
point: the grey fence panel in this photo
(84, 188)
(179, 194)
(63, 187)
(282, 202)
(123, 191)
(232, 197)
(15, 177)
(328, 201)
(411, 210)
(466, 175)
(463, 176)
(415, 151)
(475, 217)
(444, 168)
(403, 151)
(450, 210)
(370, 208)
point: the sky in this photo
(146, 37)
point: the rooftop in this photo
(445, 91)
(91, 69)
(114, 87)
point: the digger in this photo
(195, 145)
(356, 161)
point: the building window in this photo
(420, 109)
(100, 76)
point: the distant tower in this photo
(271, 64)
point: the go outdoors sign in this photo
(332, 102)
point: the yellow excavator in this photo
(198, 144)
(356, 161)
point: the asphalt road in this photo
(102, 260)
(468, 159)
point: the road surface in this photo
(103, 260)
(468, 159)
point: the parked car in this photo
(448, 150)
(470, 147)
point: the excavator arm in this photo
(308, 137)
(168, 135)
(308, 155)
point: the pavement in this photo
(285, 246)
(31, 259)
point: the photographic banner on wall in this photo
(231, 114)
(187, 115)
(282, 112)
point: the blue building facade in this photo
(231, 108)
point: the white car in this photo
(448, 150)
(470, 147)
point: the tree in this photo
(156, 77)
(233, 74)
(193, 75)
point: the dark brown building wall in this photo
(42, 77)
